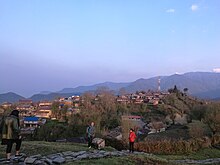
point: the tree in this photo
(55, 109)
(212, 117)
(198, 112)
(185, 90)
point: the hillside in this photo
(10, 97)
(51, 96)
(82, 89)
(200, 84)
(49, 149)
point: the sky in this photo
(48, 45)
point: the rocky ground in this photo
(64, 157)
(70, 156)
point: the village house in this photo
(122, 99)
(30, 124)
(6, 105)
(33, 121)
(25, 104)
(44, 109)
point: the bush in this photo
(196, 131)
(173, 147)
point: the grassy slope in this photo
(45, 148)
(202, 154)
(128, 160)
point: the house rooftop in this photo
(31, 118)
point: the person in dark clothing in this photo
(132, 137)
(90, 134)
(11, 133)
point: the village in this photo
(33, 115)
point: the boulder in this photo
(98, 143)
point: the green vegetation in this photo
(45, 148)
(128, 160)
(205, 153)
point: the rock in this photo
(21, 163)
(98, 143)
(59, 160)
(48, 161)
(107, 154)
(53, 156)
(30, 160)
(99, 156)
(36, 156)
(75, 154)
(39, 162)
(83, 156)
(67, 153)
(69, 158)
(21, 159)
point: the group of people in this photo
(90, 131)
(10, 130)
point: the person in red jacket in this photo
(132, 137)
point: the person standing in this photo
(132, 137)
(90, 133)
(11, 133)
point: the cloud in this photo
(194, 7)
(216, 70)
(170, 10)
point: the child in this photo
(132, 137)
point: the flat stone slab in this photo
(67, 153)
(30, 160)
(59, 160)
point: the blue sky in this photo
(52, 44)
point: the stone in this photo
(107, 154)
(36, 156)
(48, 161)
(39, 162)
(75, 154)
(83, 156)
(98, 143)
(30, 160)
(69, 159)
(99, 156)
(53, 156)
(21, 163)
(67, 153)
(59, 160)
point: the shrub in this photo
(196, 131)
(172, 147)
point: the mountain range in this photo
(204, 85)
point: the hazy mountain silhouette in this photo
(82, 89)
(10, 97)
(199, 84)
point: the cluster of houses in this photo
(142, 97)
(35, 114)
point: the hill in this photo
(200, 84)
(50, 96)
(82, 89)
(10, 97)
